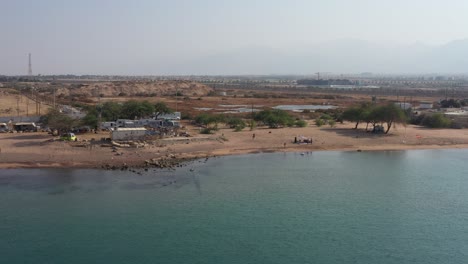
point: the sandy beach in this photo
(36, 150)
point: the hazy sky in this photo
(143, 36)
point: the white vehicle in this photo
(127, 123)
(108, 125)
(4, 128)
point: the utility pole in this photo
(30, 66)
(54, 97)
(17, 106)
(176, 93)
(37, 107)
(100, 110)
(398, 98)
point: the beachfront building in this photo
(170, 116)
(459, 117)
(128, 133)
(108, 125)
(403, 106)
(25, 127)
(425, 105)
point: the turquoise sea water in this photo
(321, 207)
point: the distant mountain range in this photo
(339, 56)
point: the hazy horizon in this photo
(211, 37)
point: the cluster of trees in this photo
(271, 118)
(211, 122)
(391, 114)
(274, 118)
(277, 118)
(453, 103)
(376, 115)
(59, 121)
(111, 111)
(437, 120)
(325, 119)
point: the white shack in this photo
(108, 125)
(170, 116)
(128, 133)
(425, 105)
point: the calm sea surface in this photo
(321, 207)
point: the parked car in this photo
(68, 137)
(81, 130)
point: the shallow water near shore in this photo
(317, 207)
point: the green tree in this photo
(353, 114)
(319, 122)
(359, 114)
(252, 125)
(160, 108)
(301, 123)
(389, 114)
(210, 121)
(91, 118)
(437, 120)
(366, 116)
(135, 109)
(274, 118)
(450, 103)
(54, 119)
(326, 117)
(235, 122)
(110, 111)
(202, 119)
(216, 119)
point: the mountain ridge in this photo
(339, 56)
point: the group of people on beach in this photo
(302, 140)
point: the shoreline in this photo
(185, 158)
(40, 150)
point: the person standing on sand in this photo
(253, 136)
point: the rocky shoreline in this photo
(169, 162)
